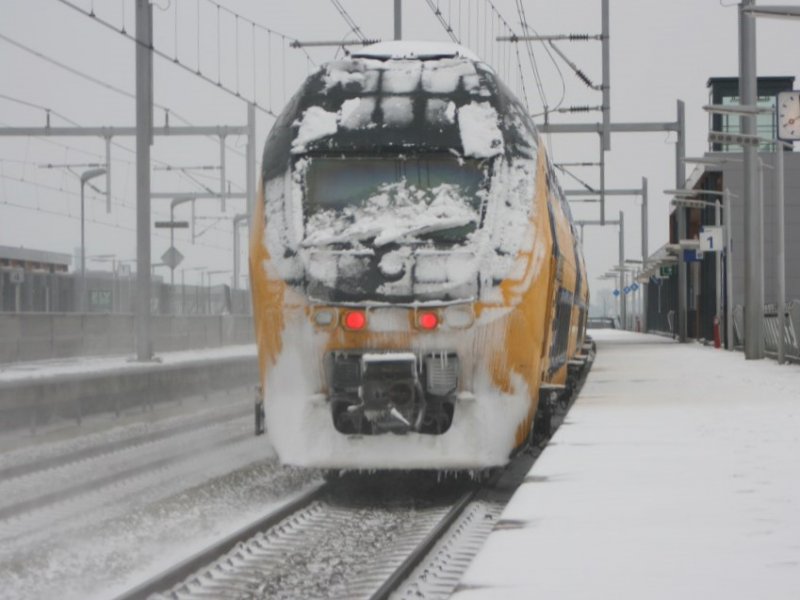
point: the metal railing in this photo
(771, 332)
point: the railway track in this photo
(357, 538)
(369, 537)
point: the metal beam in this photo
(601, 223)
(606, 51)
(560, 37)
(680, 181)
(144, 138)
(753, 201)
(643, 127)
(189, 130)
(162, 195)
(398, 20)
(610, 192)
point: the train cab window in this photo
(344, 185)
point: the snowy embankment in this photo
(95, 514)
(675, 476)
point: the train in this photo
(419, 291)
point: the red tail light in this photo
(428, 320)
(355, 320)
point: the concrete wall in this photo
(37, 336)
(34, 402)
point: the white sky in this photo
(660, 51)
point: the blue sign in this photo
(634, 286)
(616, 292)
(627, 289)
(692, 255)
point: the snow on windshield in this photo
(480, 134)
(397, 211)
(316, 123)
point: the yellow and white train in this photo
(417, 281)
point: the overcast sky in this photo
(660, 51)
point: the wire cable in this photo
(349, 20)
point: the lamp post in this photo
(85, 176)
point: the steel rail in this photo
(402, 572)
(186, 568)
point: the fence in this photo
(36, 336)
(771, 332)
(111, 292)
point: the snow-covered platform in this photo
(675, 475)
(85, 366)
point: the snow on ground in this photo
(675, 475)
(16, 372)
(101, 523)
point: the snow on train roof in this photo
(421, 50)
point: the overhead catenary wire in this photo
(532, 58)
(197, 72)
(349, 20)
(96, 81)
(445, 23)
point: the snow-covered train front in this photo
(413, 263)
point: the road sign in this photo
(666, 272)
(627, 289)
(616, 292)
(17, 276)
(172, 258)
(711, 239)
(172, 224)
(634, 286)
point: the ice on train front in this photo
(400, 265)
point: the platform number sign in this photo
(788, 108)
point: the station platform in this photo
(676, 474)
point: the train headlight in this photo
(355, 320)
(428, 320)
(324, 317)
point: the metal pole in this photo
(222, 172)
(602, 183)
(645, 253)
(680, 178)
(398, 20)
(82, 300)
(718, 265)
(753, 260)
(726, 210)
(780, 240)
(172, 242)
(235, 282)
(144, 137)
(622, 303)
(250, 157)
(606, 44)
(108, 174)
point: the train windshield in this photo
(435, 197)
